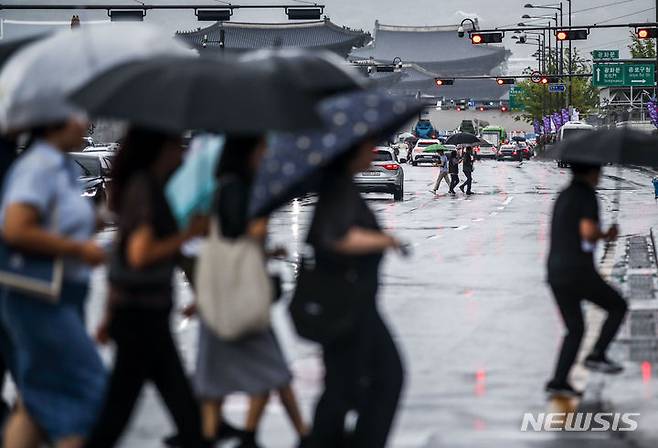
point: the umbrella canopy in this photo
(406, 135)
(176, 94)
(319, 73)
(435, 148)
(7, 49)
(462, 138)
(292, 161)
(191, 188)
(616, 146)
(36, 81)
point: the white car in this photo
(487, 151)
(418, 155)
(385, 175)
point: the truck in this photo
(496, 135)
(569, 130)
(467, 126)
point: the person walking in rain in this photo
(453, 169)
(60, 376)
(572, 276)
(467, 167)
(443, 172)
(141, 293)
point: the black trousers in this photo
(469, 181)
(454, 181)
(363, 373)
(569, 296)
(146, 352)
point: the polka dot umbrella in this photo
(293, 160)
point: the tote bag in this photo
(31, 274)
(234, 290)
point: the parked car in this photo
(385, 175)
(418, 155)
(95, 170)
(509, 152)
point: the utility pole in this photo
(655, 92)
(570, 96)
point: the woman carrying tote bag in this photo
(253, 364)
(60, 377)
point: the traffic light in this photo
(486, 38)
(647, 33)
(444, 82)
(549, 80)
(503, 81)
(562, 35)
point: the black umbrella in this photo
(617, 146)
(462, 138)
(320, 73)
(7, 49)
(179, 93)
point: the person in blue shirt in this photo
(59, 374)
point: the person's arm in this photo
(144, 249)
(360, 241)
(22, 229)
(591, 231)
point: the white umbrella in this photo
(35, 82)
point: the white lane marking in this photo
(508, 200)
(500, 208)
(460, 228)
(493, 213)
(478, 219)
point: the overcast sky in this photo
(363, 13)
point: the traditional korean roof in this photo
(241, 37)
(436, 48)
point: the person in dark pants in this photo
(573, 277)
(363, 369)
(467, 167)
(453, 167)
(140, 298)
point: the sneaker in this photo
(226, 432)
(469, 193)
(248, 440)
(461, 187)
(174, 441)
(562, 389)
(603, 365)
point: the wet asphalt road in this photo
(469, 309)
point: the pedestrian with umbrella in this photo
(467, 167)
(462, 138)
(575, 231)
(335, 299)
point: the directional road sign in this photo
(557, 88)
(605, 54)
(623, 74)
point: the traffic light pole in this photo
(570, 95)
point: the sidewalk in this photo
(630, 265)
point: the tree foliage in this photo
(642, 48)
(539, 102)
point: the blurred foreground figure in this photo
(60, 377)
(141, 295)
(363, 369)
(573, 277)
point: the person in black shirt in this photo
(363, 369)
(453, 169)
(467, 167)
(572, 276)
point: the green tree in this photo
(538, 101)
(642, 48)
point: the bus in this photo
(496, 135)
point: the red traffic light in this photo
(544, 80)
(486, 38)
(562, 35)
(647, 33)
(444, 82)
(503, 81)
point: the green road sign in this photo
(623, 74)
(515, 102)
(605, 54)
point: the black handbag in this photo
(327, 303)
(125, 277)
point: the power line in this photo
(627, 15)
(592, 8)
